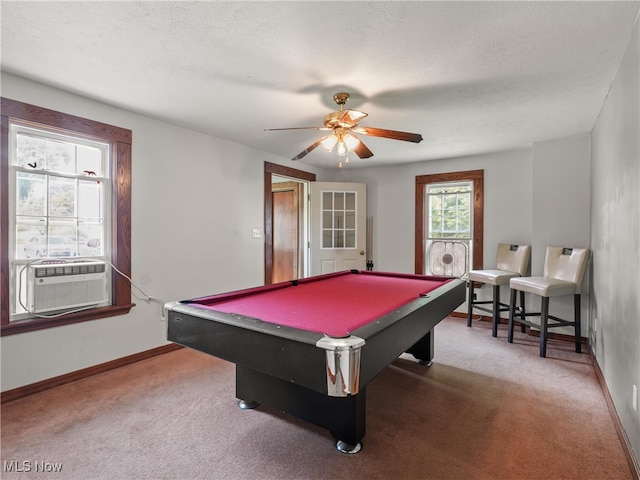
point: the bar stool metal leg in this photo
(576, 306)
(523, 314)
(496, 309)
(544, 319)
(512, 311)
(470, 303)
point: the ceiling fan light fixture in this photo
(329, 142)
(342, 149)
(351, 141)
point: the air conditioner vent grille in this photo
(70, 269)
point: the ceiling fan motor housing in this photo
(341, 98)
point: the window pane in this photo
(30, 237)
(339, 201)
(464, 222)
(327, 200)
(31, 194)
(350, 201)
(350, 238)
(30, 151)
(452, 188)
(90, 239)
(62, 197)
(62, 240)
(338, 220)
(89, 199)
(61, 156)
(327, 220)
(89, 160)
(350, 220)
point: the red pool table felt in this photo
(334, 304)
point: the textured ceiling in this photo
(471, 77)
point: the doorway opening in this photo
(286, 220)
(290, 234)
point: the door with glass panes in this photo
(338, 226)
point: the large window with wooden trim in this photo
(449, 219)
(65, 218)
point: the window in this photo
(448, 232)
(59, 197)
(65, 195)
(338, 219)
(449, 218)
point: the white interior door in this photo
(338, 226)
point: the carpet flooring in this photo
(485, 410)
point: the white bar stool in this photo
(564, 270)
(512, 261)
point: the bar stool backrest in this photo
(513, 258)
(568, 264)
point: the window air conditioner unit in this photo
(63, 286)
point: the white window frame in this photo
(17, 274)
(452, 246)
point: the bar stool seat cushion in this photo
(492, 277)
(511, 261)
(544, 286)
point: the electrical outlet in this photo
(256, 233)
(634, 400)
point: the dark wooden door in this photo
(285, 231)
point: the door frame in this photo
(271, 169)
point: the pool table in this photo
(309, 347)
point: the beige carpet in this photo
(485, 410)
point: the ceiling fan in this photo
(343, 125)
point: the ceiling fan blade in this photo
(362, 150)
(296, 128)
(309, 149)
(392, 134)
(350, 118)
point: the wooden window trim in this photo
(477, 176)
(120, 140)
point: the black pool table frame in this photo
(284, 368)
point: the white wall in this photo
(561, 214)
(195, 201)
(615, 239)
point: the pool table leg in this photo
(423, 349)
(344, 417)
(250, 405)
